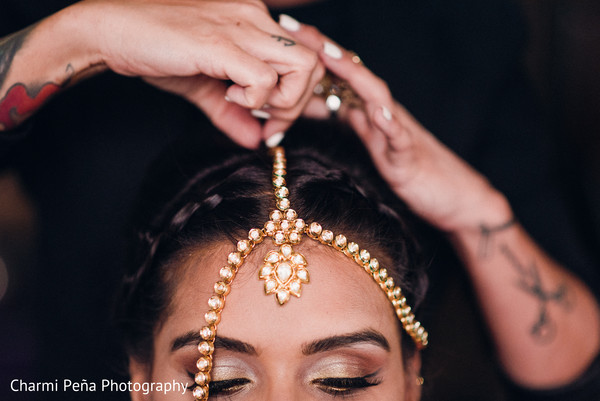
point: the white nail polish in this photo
(260, 114)
(387, 114)
(288, 23)
(332, 50)
(274, 139)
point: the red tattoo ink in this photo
(19, 103)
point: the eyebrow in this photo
(192, 338)
(335, 342)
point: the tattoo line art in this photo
(9, 46)
(286, 41)
(21, 100)
(544, 329)
(487, 234)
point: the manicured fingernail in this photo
(227, 99)
(387, 114)
(332, 50)
(288, 23)
(260, 114)
(274, 139)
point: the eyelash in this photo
(345, 386)
(336, 386)
(224, 387)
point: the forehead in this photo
(340, 298)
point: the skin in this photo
(283, 365)
(187, 47)
(544, 320)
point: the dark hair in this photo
(206, 190)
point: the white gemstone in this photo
(295, 287)
(282, 192)
(300, 224)
(283, 204)
(333, 102)
(270, 285)
(327, 236)
(211, 317)
(389, 283)
(215, 302)
(291, 214)
(341, 241)
(226, 273)
(207, 333)
(276, 215)
(199, 393)
(284, 272)
(235, 258)
(272, 257)
(284, 225)
(302, 275)
(270, 227)
(299, 260)
(201, 378)
(266, 270)
(279, 181)
(279, 237)
(255, 234)
(353, 248)
(286, 250)
(315, 228)
(283, 296)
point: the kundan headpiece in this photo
(285, 271)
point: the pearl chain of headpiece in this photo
(284, 271)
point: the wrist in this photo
(71, 45)
(490, 213)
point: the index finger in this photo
(367, 85)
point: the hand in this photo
(191, 47)
(434, 182)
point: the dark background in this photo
(563, 61)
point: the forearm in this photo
(39, 61)
(544, 321)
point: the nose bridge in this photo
(284, 384)
(284, 391)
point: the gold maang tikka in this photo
(285, 271)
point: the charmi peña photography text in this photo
(105, 385)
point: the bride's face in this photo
(339, 339)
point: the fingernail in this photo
(274, 139)
(332, 50)
(227, 99)
(387, 114)
(288, 23)
(260, 114)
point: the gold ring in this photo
(336, 92)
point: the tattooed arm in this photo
(30, 74)
(190, 48)
(544, 321)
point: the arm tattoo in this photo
(286, 41)
(20, 99)
(544, 329)
(9, 46)
(487, 236)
